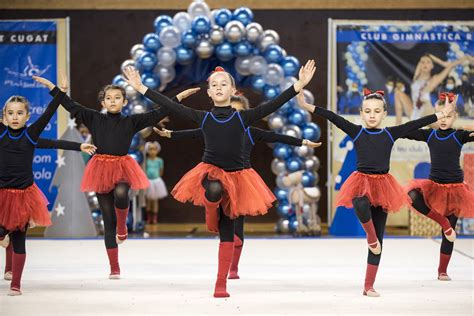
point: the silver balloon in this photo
(130, 91)
(127, 63)
(258, 65)
(197, 8)
(204, 49)
(287, 82)
(242, 65)
(138, 109)
(304, 151)
(182, 21)
(292, 130)
(284, 53)
(136, 51)
(276, 121)
(166, 74)
(283, 226)
(312, 163)
(306, 210)
(308, 96)
(280, 183)
(170, 36)
(274, 75)
(216, 35)
(254, 30)
(166, 56)
(234, 31)
(278, 166)
(268, 37)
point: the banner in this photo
(30, 48)
(412, 62)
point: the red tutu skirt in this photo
(22, 206)
(381, 189)
(446, 199)
(245, 192)
(104, 172)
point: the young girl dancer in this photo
(111, 173)
(239, 103)
(23, 204)
(371, 190)
(154, 166)
(222, 174)
(444, 197)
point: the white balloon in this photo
(166, 56)
(136, 51)
(234, 31)
(204, 49)
(198, 8)
(268, 37)
(130, 91)
(258, 65)
(216, 35)
(242, 65)
(274, 75)
(167, 74)
(308, 96)
(138, 109)
(287, 82)
(170, 36)
(182, 21)
(254, 30)
(127, 63)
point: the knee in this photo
(213, 190)
(414, 195)
(121, 195)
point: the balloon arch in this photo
(186, 47)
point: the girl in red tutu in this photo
(222, 175)
(239, 103)
(111, 173)
(444, 197)
(371, 190)
(23, 204)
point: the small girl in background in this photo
(154, 167)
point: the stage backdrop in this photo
(34, 47)
(412, 61)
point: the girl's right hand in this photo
(186, 93)
(45, 82)
(132, 77)
(311, 144)
(302, 102)
(163, 132)
(88, 148)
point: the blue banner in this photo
(29, 48)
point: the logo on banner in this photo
(23, 79)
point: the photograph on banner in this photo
(412, 62)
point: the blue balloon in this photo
(151, 80)
(151, 41)
(284, 209)
(281, 194)
(118, 80)
(293, 226)
(126, 110)
(286, 109)
(135, 142)
(297, 116)
(137, 155)
(184, 56)
(161, 22)
(201, 24)
(273, 53)
(224, 51)
(271, 92)
(282, 151)
(243, 49)
(244, 15)
(294, 164)
(147, 60)
(189, 39)
(290, 65)
(312, 132)
(258, 83)
(222, 17)
(308, 179)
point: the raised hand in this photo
(132, 77)
(311, 144)
(45, 82)
(186, 93)
(305, 75)
(88, 149)
(63, 82)
(163, 132)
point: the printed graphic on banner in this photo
(412, 62)
(29, 48)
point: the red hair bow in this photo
(217, 69)
(369, 92)
(449, 95)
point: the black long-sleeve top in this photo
(374, 146)
(112, 133)
(445, 151)
(17, 148)
(223, 128)
(47, 143)
(254, 135)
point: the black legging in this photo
(239, 227)
(17, 239)
(108, 202)
(365, 211)
(420, 205)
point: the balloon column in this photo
(201, 36)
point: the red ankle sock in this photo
(443, 263)
(17, 270)
(121, 222)
(8, 258)
(370, 232)
(370, 275)
(234, 267)
(112, 253)
(225, 258)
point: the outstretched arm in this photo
(436, 80)
(66, 145)
(272, 137)
(182, 134)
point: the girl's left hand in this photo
(88, 148)
(163, 132)
(311, 144)
(45, 82)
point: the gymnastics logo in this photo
(23, 79)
